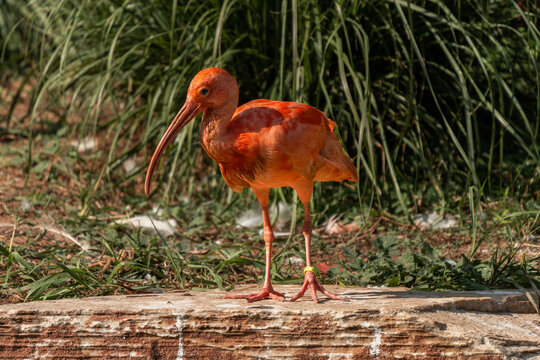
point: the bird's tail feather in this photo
(333, 163)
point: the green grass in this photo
(393, 263)
(193, 259)
(437, 102)
(430, 97)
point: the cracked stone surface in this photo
(375, 324)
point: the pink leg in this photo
(310, 281)
(267, 292)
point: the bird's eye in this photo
(204, 91)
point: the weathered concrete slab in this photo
(375, 323)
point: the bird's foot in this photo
(312, 283)
(265, 293)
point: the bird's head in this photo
(211, 88)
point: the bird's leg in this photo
(309, 276)
(267, 292)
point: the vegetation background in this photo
(437, 102)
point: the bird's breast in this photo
(213, 141)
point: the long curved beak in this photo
(184, 116)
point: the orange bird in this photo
(261, 145)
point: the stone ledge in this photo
(375, 323)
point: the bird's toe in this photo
(314, 286)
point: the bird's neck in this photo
(214, 130)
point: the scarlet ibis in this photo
(262, 144)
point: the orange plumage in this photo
(262, 144)
(262, 147)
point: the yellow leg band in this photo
(310, 268)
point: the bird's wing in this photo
(276, 136)
(245, 162)
(235, 182)
(277, 143)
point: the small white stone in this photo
(85, 145)
(129, 166)
(165, 228)
(252, 218)
(295, 260)
(25, 205)
(446, 223)
(157, 210)
(433, 220)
